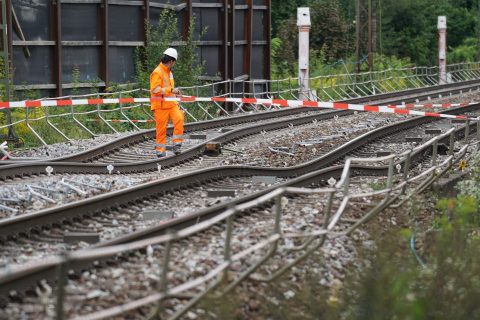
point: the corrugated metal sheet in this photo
(99, 38)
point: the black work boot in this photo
(176, 148)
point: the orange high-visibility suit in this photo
(162, 77)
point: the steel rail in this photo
(26, 276)
(38, 167)
(109, 147)
(23, 223)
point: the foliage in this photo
(328, 37)
(75, 80)
(284, 10)
(466, 52)
(471, 187)
(396, 287)
(406, 29)
(159, 37)
(329, 29)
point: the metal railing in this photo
(399, 187)
(47, 125)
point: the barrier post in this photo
(442, 49)
(303, 23)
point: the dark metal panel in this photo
(80, 22)
(247, 22)
(86, 59)
(34, 17)
(125, 23)
(155, 15)
(33, 70)
(121, 64)
(238, 62)
(210, 19)
(259, 25)
(211, 56)
(240, 24)
(258, 65)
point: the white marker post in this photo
(442, 49)
(303, 23)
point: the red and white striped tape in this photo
(433, 105)
(401, 109)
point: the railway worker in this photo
(163, 86)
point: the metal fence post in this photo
(162, 285)
(227, 249)
(390, 173)
(435, 152)
(451, 143)
(467, 131)
(328, 208)
(61, 282)
(405, 170)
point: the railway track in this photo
(303, 143)
(194, 255)
(214, 176)
(18, 224)
(134, 197)
(122, 148)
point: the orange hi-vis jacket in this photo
(162, 77)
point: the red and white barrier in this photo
(400, 109)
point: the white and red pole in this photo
(442, 49)
(303, 23)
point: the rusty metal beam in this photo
(268, 38)
(188, 16)
(56, 8)
(224, 55)
(104, 36)
(248, 27)
(231, 35)
(146, 18)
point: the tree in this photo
(159, 37)
(329, 29)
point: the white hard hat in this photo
(171, 52)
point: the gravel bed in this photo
(134, 276)
(256, 150)
(67, 148)
(144, 150)
(122, 221)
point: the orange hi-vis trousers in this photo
(161, 120)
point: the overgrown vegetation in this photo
(188, 68)
(396, 286)
(386, 280)
(406, 31)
